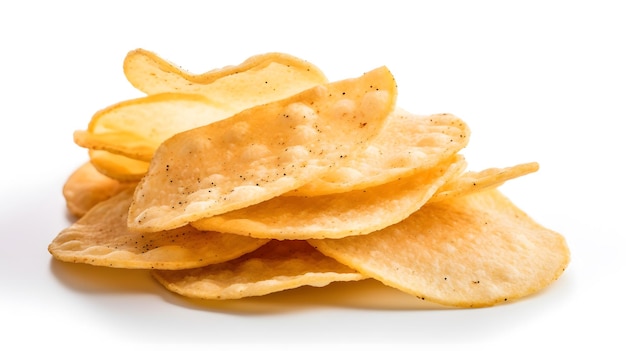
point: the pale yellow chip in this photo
(135, 128)
(261, 152)
(357, 212)
(179, 101)
(470, 182)
(274, 267)
(470, 251)
(101, 238)
(118, 167)
(257, 80)
(86, 187)
(408, 143)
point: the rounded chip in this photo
(257, 80)
(261, 152)
(179, 101)
(408, 143)
(276, 266)
(135, 128)
(471, 251)
(357, 212)
(118, 167)
(86, 187)
(101, 238)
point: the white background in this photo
(537, 81)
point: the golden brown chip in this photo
(86, 187)
(257, 80)
(262, 152)
(470, 182)
(101, 238)
(471, 251)
(407, 144)
(276, 266)
(356, 212)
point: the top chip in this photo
(261, 152)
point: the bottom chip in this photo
(276, 266)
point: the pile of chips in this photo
(264, 176)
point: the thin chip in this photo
(408, 143)
(357, 212)
(470, 182)
(262, 152)
(470, 251)
(257, 80)
(122, 138)
(276, 266)
(86, 187)
(101, 238)
(118, 167)
(179, 101)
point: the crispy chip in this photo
(135, 128)
(257, 80)
(471, 251)
(180, 101)
(262, 152)
(276, 266)
(86, 187)
(470, 182)
(101, 238)
(407, 144)
(261, 177)
(118, 167)
(336, 215)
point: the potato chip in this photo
(118, 167)
(407, 144)
(256, 178)
(101, 238)
(276, 266)
(135, 128)
(262, 152)
(180, 101)
(336, 215)
(470, 251)
(470, 182)
(86, 187)
(257, 80)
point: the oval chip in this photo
(118, 167)
(257, 80)
(276, 266)
(262, 152)
(101, 238)
(179, 101)
(471, 251)
(357, 212)
(408, 143)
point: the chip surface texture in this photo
(261, 152)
